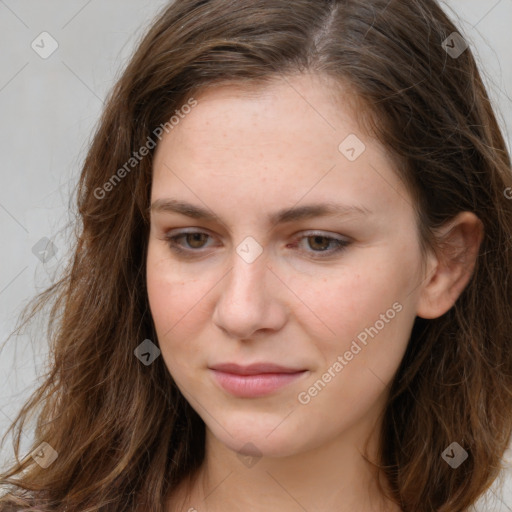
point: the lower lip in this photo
(249, 386)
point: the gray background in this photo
(49, 108)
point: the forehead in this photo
(274, 144)
(266, 107)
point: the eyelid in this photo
(342, 242)
(326, 234)
(305, 233)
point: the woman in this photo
(339, 338)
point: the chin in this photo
(269, 436)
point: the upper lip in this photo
(254, 369)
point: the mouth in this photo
(255, 380)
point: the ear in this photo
(451, 267)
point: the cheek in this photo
(359, 363)
(176, 308)
(337, 309)
(371, 311)
(356, 375)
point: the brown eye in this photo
(319, 243)
(195, 240)
(322, 246)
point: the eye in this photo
(318, 242)
(195, 240)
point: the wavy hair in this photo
(124, 434)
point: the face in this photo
(267, 278)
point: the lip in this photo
(254, 380)
(254, 369)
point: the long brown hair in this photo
(124, 434)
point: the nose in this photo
(251, 299)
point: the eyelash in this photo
(341, 245)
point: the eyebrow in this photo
(324, 209)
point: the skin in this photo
(242, 153)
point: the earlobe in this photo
(451, 268)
